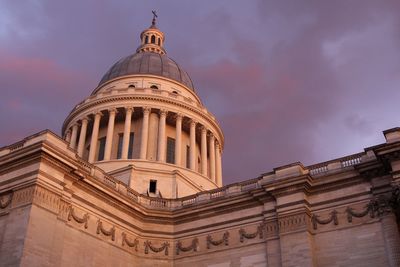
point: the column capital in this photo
(178, 116)
(211, 135)
(146, 110)
(98, 113)
(203, 129)
(112, 110)
(192, 123)
(163, 112)
(129, 109)
(85, 119)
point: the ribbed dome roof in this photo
(148, 63)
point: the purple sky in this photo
(289, 81)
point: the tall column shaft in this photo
(212, 158)
(392, 239)
(192, 155)
(82, 137)
(218, 164)
(204, 151)
(178, 140)
(145, 133)
(161, 136)
(68, 136)
(127, 132)
(110, 133)
(95, 135)
(74, 134)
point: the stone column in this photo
(145, 133)
(392, 240)
(110, 133)
(82, 137)
(127, 132)
(73, 136)
(204, 151)
(68, 136)
(218, 167)
(161, 136)
(178, 140)
(212, 157)
(192, 155)
(95, 135)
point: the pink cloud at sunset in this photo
(288, 80)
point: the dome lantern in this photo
(152, 39)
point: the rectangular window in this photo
(102, 145)
(188, 157)
(130, 147)
(120, 141)
(130, 150)
(153, 186)
(170, 150)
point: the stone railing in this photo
(339, 163)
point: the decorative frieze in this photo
(333, 218)
(293, 222)
(132, 244)
(81, 220)
(193, 246)
(223, 240)
(243, 235)
(23, 196)
(46, 199)
(101, 229)
(164, 247)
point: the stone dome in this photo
(148, 63)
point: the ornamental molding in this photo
(86, 106)
(148, 246)
(259, 232)
(333, 218)
(23, 196)
(223, 240)
(132, 244)
(5, 200)
(81, 220)
(193, 246)
(102, 230)
(46, 199)
(294, 222)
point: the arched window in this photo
(153, 39)
(159, 41)
(146, 40)
(131, 86)
(175, 92)
(154, 87)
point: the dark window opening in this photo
(130, 150)
(153, 39)
(154, 87)
(159, 41)
(153, 186)
(175, 92)
(187, 157)
(102, 144)
(120, 141)
(146, 40)
(131, 86)
(170, 150)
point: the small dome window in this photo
(131, 86)
(146, 40)
(153, 39)
(154, 87)
(159, 41)
(175, 92)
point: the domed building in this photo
(136, 180)
(145, 125)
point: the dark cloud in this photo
(288, 80)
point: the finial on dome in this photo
(153, 23)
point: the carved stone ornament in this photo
(72, 215)
(193, 246)
(134, 244)
(259, 232)
(5, 200)
(105, 232)
(224, 239)
(164, 247)
(377, 206)
(315, 219)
